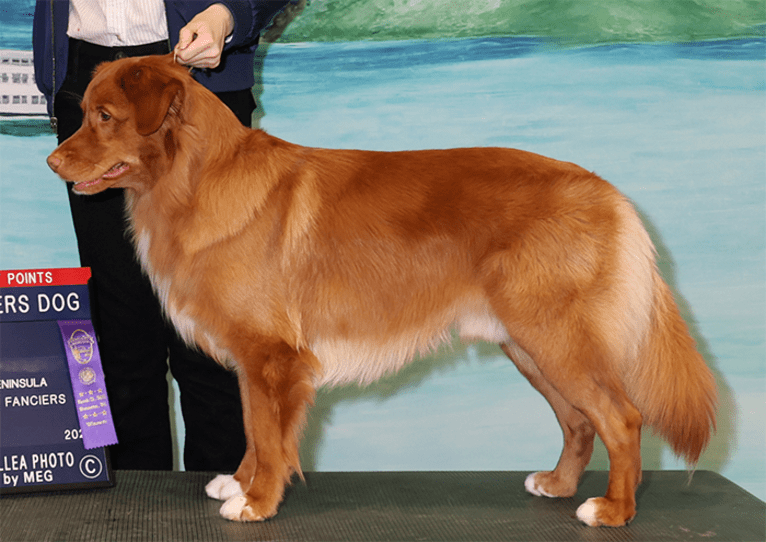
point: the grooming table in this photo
(381, 506)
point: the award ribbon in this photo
(88, 384)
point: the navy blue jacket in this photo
(236, 69)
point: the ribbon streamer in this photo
(88, 384)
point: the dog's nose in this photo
(54, 162)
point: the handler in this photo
(136, 343)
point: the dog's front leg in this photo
(276, 387)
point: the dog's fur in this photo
(298, 267)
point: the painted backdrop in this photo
(666, 99)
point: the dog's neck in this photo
(163, 209)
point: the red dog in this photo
(299, 267)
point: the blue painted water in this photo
(680, 128)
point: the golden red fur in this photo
(299, 267)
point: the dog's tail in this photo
(668, 380)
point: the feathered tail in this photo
(671, 385)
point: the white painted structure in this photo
(19, 96)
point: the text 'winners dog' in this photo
(299, 267)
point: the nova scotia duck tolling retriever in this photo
(298, 267)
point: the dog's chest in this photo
(165, 284)
(161, 278)
(171, 289)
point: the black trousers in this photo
(137, 344)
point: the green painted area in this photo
(566, 21)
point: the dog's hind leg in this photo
(578, 434)
(618, 423)
(276, 387)
(586, 394)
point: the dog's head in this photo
(130, 110)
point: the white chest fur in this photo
(187, 327)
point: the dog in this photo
(300, 267)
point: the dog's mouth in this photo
(113, 172)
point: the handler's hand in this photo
(201, 42)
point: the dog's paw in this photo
(238, 508)
(223, 487)
(233, 507)
(599, 511)
(550, 484)
(533, 486)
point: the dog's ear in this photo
(151, 93)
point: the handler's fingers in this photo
(185, 37)
(201, 41)
(202, 51)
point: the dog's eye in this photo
(104, 116)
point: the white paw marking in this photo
(232, 508)
(531, 486)
(223, 487)
(587, 513)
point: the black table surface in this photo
(384, 506)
